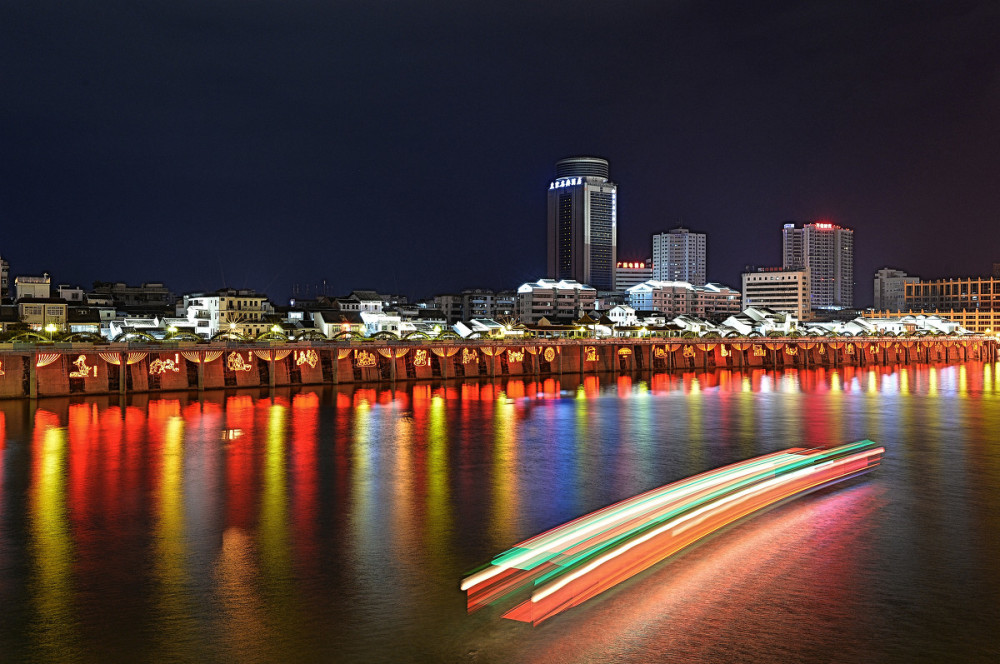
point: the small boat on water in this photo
(565, 566)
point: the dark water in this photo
(336, 524)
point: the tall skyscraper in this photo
(827, 252)
(582, 223)
(679, 255)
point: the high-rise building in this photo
(890, 289)
(679, 255)
(582, 223)
(826, 251)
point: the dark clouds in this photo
(408, 145)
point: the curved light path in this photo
(571, 563)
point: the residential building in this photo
(582, 223)
(561, 301)
(630, 273)
(671, 298)
(229, 310)
(826, 251)
(39, 313)
(4, 278)
(72, 294)
(150, 296)
(679, 255)
(779, 290)
(890, 289)
(450, 305)
(33, 287)
(332, 322)
(680, 298)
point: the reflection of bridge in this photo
(47, 369)
(570, 564)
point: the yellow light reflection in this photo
(438, 501)
(505, 475)
(52, 551)
(171, 542)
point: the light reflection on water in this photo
(336, 525)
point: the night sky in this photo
(408, 146)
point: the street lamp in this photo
(51, 328)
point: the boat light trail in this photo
(571, 563)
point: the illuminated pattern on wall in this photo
(421, 358)
(624, 351)
(515, 355)
(135, 358)
(590, 354)
(400, 352)
(660, 352)
(1, 368)
(210, 356)
(759, 351)
(723, 351)
(791, 350)
(385, 352)
(235, 362)
(309, 357)
(45, 359)
(343, 352)
(572, 563)
(364, 358)
(849, 349)
(159, 366)
(688, 351)
(822, 349)
(469, 356)
(494, 350)
(111, 358)
(549, 354)
(82, 370)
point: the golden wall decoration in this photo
(469, 355)
(234, 362)
(82, 370)
(549, 354)
(309, 357)
(364, 358)
(159, 366)
(688, 351)
(590, 353)
(421, 358)
(515, 355)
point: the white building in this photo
(827, 252)
(890, 289)
(679, 255)
(32, 287)
(583, 223)
(780, 290)
(563, 300)
(677, 298)
(229, 310)
(623, 316)
(382, 321)
(630, 273)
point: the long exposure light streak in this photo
(571, 563)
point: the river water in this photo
(335, 524)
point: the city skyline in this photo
(364, 148)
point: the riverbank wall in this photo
(30, 371)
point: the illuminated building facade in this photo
(564, 300)
(679, 255)
(631, 273)
(890, 289)
(826, 251)
(229, 310)
(779, 290)
(582, 223)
